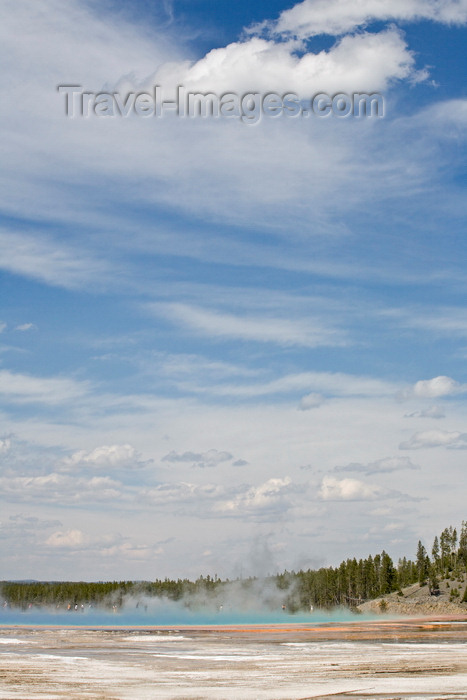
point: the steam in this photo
(243, 601)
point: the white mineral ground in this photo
(391, 659)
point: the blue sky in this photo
(216, 336)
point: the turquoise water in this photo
(170, 614)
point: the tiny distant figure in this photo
(76, 606)
(284, 607)
(221, 607)
(68, 607)
(311, 608)
(82, 607)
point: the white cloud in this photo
(271, 497)
(309, 401)
(105, 457)
(435, 438)
(386, 465)
(2, 326)
(361, 63)
(432, 389)
(333, 489)
(26, 327)
(67, 538)
(263, 501)
(336, 17)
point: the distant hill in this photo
(419, 601)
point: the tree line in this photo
(349, 584)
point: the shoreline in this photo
(364, 620)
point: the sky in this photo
(230, 347)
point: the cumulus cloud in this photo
(335, 17)
(386, 465)
(333, 489)
(105, 457)
(431, 412)
(211, 458)
(259, 501)
(271, 497)
(433, 388)
(435, 438)
(310, 401)
(359, 63)
(67, 538)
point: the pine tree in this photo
(421, 563)
(462, 552)
(435, 553)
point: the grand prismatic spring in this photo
(230, 655)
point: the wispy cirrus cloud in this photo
(24, 388)
(318, 384)
(58, 264)
(263, 329)
(440, 320)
